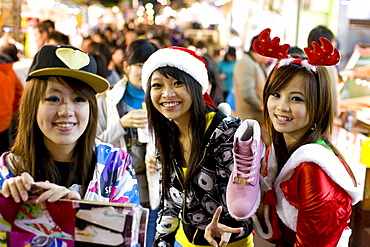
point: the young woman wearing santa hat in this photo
(194, 141)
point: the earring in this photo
(314, 126)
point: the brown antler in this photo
(326, 55)
(265, 47)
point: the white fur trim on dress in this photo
(329, 162)
(178, 59)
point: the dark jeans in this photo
(150, 233)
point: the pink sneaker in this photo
(243, 189)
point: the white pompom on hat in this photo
(178, 57)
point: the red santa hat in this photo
(178, 57)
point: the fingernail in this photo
(24, 197)
(16, 199)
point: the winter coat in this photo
(208, 189)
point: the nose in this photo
(168, 92)
(66, 109)
(283, 105)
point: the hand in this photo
(53, 192)
(151, 164)
(134, 118)
(215, 229)
(18, 187)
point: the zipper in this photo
(183, 191)
(184, 197)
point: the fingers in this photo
(135, 118)
(213, 230)
(216, 229)
(225, 237)
(18, 187)
(55, 192)
(151, 164)
(209, 235)
(216, 216)
(27, 180)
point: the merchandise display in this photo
(68, 223)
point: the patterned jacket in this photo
(114, 179)
(208, 189)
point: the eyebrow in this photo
(297, 93)
(53, 90)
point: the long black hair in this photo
(167, 133)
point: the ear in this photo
(126, 67)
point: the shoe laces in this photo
(244, 166)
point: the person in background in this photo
(249, 79)
(314, 36)
(118, 57)
(194, 140)
(102, 49)
(121, 116)
(58, 38)
(215, 87)
(11, 90)
(308, 189)
(226, 69)
(56, 149)
(44, 28)
(11, 51)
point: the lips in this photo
(170, 104)
(64, 125)
(283, 118)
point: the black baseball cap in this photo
(63, 60)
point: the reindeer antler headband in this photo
(326, 55)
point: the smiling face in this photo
(288, 112)
(171, 98)
(62, 115)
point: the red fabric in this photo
(11, 90)
(208, 99)
(324, 208)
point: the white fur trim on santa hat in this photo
(179, 59)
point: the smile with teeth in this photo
(170, 104)
(282, 118)
(64, 125)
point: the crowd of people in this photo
(211, 173)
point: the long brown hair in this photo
(319, 104)
(31, 154)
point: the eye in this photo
(52, 99)
(156, 85)
(179, 83)
(276, 95)
(297, 98)
(80, 99)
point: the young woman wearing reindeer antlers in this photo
(307, 188)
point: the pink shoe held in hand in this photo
(243, 189)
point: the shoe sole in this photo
(253, 211)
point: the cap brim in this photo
(98, 83)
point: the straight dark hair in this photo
(167, 134)
(139, 51)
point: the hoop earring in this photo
(314, 127)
